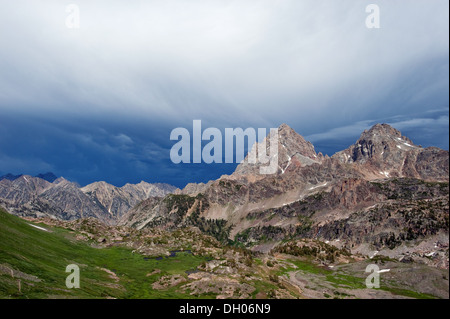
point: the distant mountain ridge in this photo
(10, 177)
(49, 177)
(59, 198)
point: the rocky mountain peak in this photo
(381, 142)
(60, 180)
(286, 129)
(383, 132)
(383, 152)
(383, 128)
(293, 150)
(10, 177)
(294, 143)
(49, 177)
(96, 186)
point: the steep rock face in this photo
(383, 152)
(311, 195)
(119, 200)
(414, 226)
(72, 203)
(293, 149)
(33, 196)
(23, 189)
(142, 213)
(113, 199)
(381, 142)
(293, 146)
(380, 153)
(193, 188)
(348, 196)
(351, 193)
(390, 224)
(432, 164)
(400, 217)
(146, 190)
(174, 212)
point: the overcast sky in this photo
(98, 102)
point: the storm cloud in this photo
(98, 102)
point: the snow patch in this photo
(385, 173)
(403, 143)
(374, 254)
(40, 228)
(407, 144)
(322, 185)
(284, 170)
(383, 270)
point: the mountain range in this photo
(45, 196)
(49, 177)
(383, 194)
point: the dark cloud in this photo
(99, 102)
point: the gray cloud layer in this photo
(160, 64)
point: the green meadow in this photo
(30, 252)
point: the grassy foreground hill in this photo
(38, 260)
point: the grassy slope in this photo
(26, 249)
(45, 255)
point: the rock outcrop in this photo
(314, 196)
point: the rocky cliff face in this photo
(23, 189)
(293, 150)
(314, 196)
(382, 152)
(119, 200)
(62, 199)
